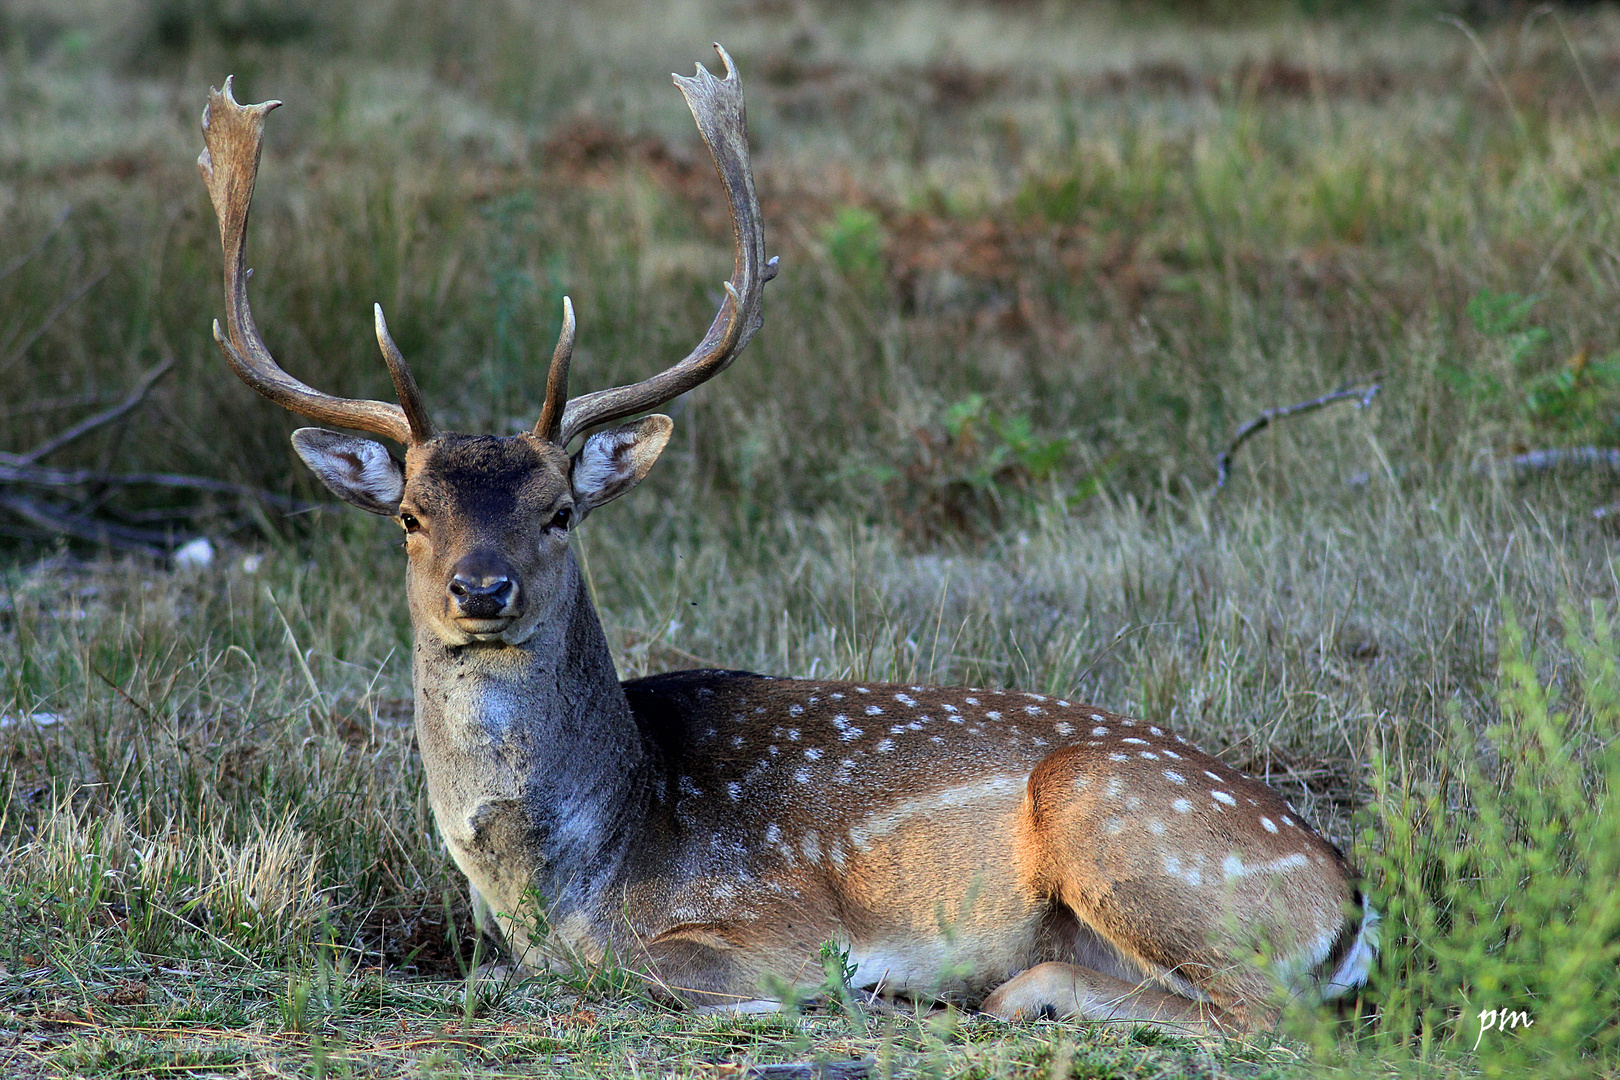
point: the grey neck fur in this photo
(535, 766)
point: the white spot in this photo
(795, 710)
(802, 776)
(793, 735)
(1099, 731)
(914, 726)
(1115, 787)
(937, 741)
(1114, 826)
(1063, 727)
(847, 763)
(1211, 775)
(811, 848)
(1155, 731)
(773, 751)
(949, 708)
(736, 740)
(1137, 742)
(1062, 704)
(1181, 806)
(851, 734)
(1128, 723)
(1223, 797)
(1099, 718)
(734, 790)
(1174, 777)
(1171, 754)
(873, 710)
(885, 746)
(1286, 820)
(773, 834)
(862, 690)
(838, 697)
(993, 715)
(971, 700)
(905, 699)
(1270, 825)
(1119, 757)
(813, 753)
(1150, 755)
(1155, 826)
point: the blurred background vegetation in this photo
(1041, 261)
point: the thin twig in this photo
(1223, 462)
(50, 317)
(39, 245)
(100, 419)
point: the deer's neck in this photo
(533, 761)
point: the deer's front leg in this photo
(1061, 991)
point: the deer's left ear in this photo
(613, 461)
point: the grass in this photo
(1040, 262)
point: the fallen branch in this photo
(1571, 457)
(1223, 462)
(80, 504)
(91, 423)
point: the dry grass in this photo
(1039, 263)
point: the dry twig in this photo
(1223, 462)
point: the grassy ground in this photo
(1040, 263)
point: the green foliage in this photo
(1496, 872)
(1574, 402)
(978, 467)
(854, 241)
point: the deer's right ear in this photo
(360, 472)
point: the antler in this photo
(234, 135)
(717, 106)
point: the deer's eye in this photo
(410, 523)
(561, 519)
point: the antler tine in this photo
(717, 106)
(551, 414)
(233, 136)
(410, 398)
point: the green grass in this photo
(1039, 263)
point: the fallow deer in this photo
(711, 829)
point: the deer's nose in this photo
(483, 587)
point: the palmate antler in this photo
(233, 135)
(229, 163)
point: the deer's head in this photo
(486, 518)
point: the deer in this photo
(710, 830)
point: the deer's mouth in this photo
(484, 629)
